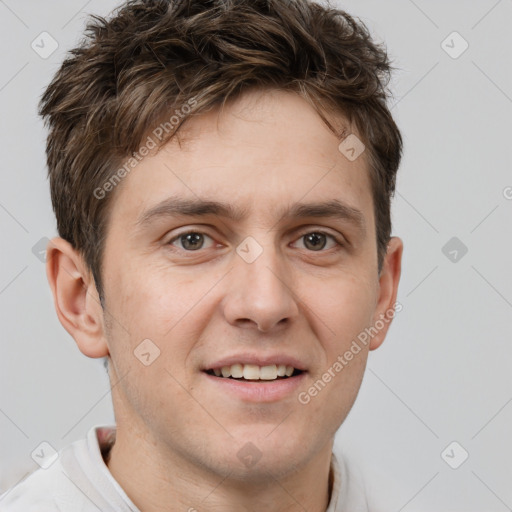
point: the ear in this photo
(388, 288)
(75, 297)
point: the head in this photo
(205, 210)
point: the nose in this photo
(260, 293)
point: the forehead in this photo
(262, 153)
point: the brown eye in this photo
(316, 241)
(190, 241)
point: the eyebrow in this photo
(178, 206)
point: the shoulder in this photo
(68, 481)
(43, 490)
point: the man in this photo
(221, 174)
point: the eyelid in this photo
(324, 231)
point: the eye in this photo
(190, 241)
(317, 240)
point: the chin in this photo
(268, 468)
(265, 452)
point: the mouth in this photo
(256, 378)
(251, 383)
(254, 373)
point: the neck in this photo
(158, 480)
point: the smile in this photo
(253, 372)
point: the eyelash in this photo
(339, 243)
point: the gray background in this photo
(443, 373)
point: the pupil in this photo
(314, 239)
(190, 239)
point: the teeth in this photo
(251, 372)
(254, 372)
(269, 372)
(237, 371)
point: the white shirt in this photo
(78, 480)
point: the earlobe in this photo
(388, 289)
(76, 298)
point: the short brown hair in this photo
(153, 56)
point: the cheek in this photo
(172, 311)
(348, 307)
(156, 300)
(345, 307)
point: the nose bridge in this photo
(260, 290)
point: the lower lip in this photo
(261, 391)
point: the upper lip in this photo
(259, 360)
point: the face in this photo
(215, 254)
